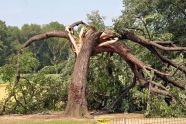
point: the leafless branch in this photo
(39, 37)
(167, 48)
(78, 23)
(165, 43)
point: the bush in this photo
(38, 92)
(35, 92)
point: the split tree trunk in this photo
(77, 102)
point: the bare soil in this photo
(120, 118)
(59, 115)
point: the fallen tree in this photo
(91, 42)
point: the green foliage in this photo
(159, 108)
(28, 31)
(3, 43)
(94, 18)
(162, 20)
(159, 17)
(37, 92)
(28, 62)
(7, 72)
(107, 79)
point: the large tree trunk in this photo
(77, 103)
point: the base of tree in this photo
(77, 111)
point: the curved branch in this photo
(78, 23)
(61, 34)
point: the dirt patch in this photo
(121, 115)
(129, 118)
(59, 115)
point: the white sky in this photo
(19, 12)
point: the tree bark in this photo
(77, 103)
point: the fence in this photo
(143, 121)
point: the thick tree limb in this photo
(150, 46)
(39, 37)
(145, 42)
(124, 52)
(78, 23)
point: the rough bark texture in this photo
(77, 103)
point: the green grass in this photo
(48, 122)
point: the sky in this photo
(19, 12)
